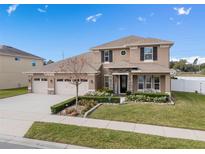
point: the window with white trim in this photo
(106, 56)
(148, 53)
(148, 82)
(106, 81)
(141, 83)
(156, 83)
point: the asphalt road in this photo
(13, 146)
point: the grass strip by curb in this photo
(104, 138)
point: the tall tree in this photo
(194, 64)
(74, 69)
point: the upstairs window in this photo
(33, 63)
(17, 58)
(106, 56)
(148, 53)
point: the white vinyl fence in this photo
(188, 84)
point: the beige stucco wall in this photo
(163, 55)
(118, 57)
(167, 84)
(162, 83)
(11, 71)
(133, 55)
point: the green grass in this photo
(104, 138)
(12, 92)
(188, 112)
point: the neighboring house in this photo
(128, 64)
(13, 62)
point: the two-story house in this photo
(132, 63)
(13, 62)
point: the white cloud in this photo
(191, 59)
(12, 8)
(183, 11)
(141, 19)
(43, 10)
(94, 18)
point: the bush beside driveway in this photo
(188, 112)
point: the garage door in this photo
(40, 85)
(65, 87)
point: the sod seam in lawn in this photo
(188, 112)
(104, 138)
(4, 93)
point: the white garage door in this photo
(40, 85)
(65, 87)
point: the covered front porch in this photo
(120, 83)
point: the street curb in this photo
(37, 143)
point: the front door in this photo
(123, 83)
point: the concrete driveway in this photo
(18, 113)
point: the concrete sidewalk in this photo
(36, 143)
(129, 127)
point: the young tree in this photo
(74, 68)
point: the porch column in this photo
(91, 82)
(51, 83)
(30, 79)
(167, 84)
(130, 82)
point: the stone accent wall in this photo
(51, 83)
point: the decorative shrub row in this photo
(60, 106)
(100, 92)
(99, 99)
(102, 99)
(149, 97)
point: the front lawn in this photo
(12, 92)
(188, 112)
(104, 138)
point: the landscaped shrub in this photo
(88, 104)
(128, 92)
(102, 99)
(101, 92)
(60, 106)
(98, 99)
(149, 97)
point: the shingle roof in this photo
(131, 41)
(139, 67)
(7, 50)
(55, 67)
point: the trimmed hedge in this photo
(102, 99)
(149, 97)
(99, 99)
(152, 94)
(60, 106)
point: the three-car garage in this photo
(61, 86)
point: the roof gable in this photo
(7, 50)
(131, 41)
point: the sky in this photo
(51, 30)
